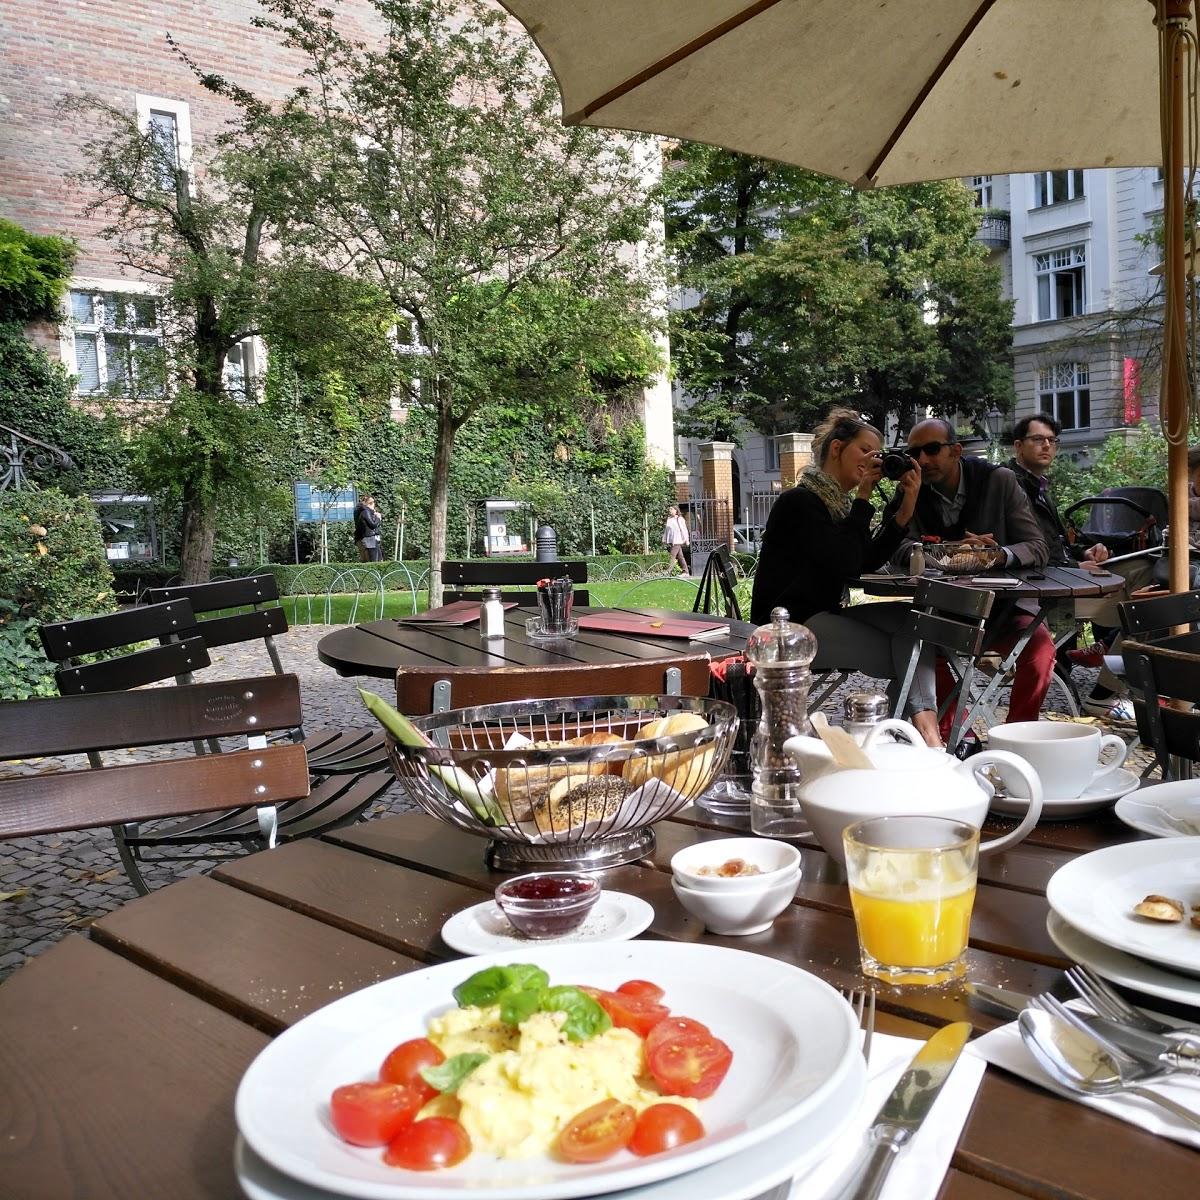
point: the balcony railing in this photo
(995, 230)
(20, 453)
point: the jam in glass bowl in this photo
(547, 904)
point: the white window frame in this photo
(1049, 263)
(145, 105)
(1059, 382)
(1076, 187)
(982, 186)
(70, 325)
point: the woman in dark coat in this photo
(818, 538)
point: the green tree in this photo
(808, 292)
(35, 270)
(431, 163)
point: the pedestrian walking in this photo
(676, 539)
(367, 520)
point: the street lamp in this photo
(993, 423)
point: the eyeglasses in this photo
(933, 449)
(1040, 439)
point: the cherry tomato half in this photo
(690, 1064)
(631, 1012)
(663, 1127)
(642, 989)
(672, 1027)
(403, 1066)
(597, 1133)
(428, 1144)
(371, 1114)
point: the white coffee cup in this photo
(1065, 756)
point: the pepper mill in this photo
(781, 653)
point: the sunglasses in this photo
(933, 449)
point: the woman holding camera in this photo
(818, 538)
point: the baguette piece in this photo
(1160, 908)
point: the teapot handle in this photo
(889, 724)
(1029, 776)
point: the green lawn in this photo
(678, 594)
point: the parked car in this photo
(747, 539)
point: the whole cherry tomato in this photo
(597, 1133)
(428, 1144)
(403, 1066)
(663, 1127)
(371, 1114)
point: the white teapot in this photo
(908, 780)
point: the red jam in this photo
(547, 905)
(548, 887)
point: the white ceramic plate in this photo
(1094, 799)
(742, 1176)
(1121, 968)
(794, 1041)
(1160, 809)
(484, 929)
(1097, 892)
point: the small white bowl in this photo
(773, 859)
(738, 913)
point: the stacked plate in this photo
(795, 1083)
(1092, 919)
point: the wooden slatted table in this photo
(120, 1055)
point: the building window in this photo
(168, 125)
(1053, 187)
(981, 185)
(115, 342)
(1063, 390)
(1061, 282)
(771, 453)
(241, 370)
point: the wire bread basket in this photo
(961, 558)
(571, 781)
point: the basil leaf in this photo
(585, 1018)
(526, 975)
(490, 985)
(517, 1005)
(448, 1076)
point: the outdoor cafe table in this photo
(380, 648)
(121, 1051)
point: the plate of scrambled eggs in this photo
(794, 1043)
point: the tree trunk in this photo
(199, 530)
(439, 497)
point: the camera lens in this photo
(896, 462)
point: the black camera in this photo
(896, 462)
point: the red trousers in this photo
(1031, 680)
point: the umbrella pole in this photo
(1172, 18)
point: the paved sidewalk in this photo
(50, 886)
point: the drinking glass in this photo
(912, 887)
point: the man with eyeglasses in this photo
(1035, 447)
(974, 501)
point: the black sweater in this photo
(808, 558)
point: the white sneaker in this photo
(1117, 709)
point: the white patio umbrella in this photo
(896, 91)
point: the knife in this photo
(1147, 1047)
(905, 1109)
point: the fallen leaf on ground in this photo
(14, 895)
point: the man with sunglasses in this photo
(1035, 447)
(974, 501)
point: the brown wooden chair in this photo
(504, 572)
(330, 751)
(1164, 679)
(254, 797)
(424, 689)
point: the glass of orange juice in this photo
(912, 887)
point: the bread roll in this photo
(687, 766)
(517, 788)
(613, 764)
(577, 800)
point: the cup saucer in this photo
(1102, 794)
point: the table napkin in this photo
(920, 1167)
(1003, 1047)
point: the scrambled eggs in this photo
(536, 1080)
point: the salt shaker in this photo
(781, 653)
(916, 561)
(491, 615)
(862, 711)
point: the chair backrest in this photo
(415, 685)
(87, 799)
(65, 642)
(1154, 617)
(1166, 671)
(266, 619)
(497, 572)
(950, 616)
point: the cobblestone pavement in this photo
(53, 885)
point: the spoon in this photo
(1081, 1065)
(845, 750)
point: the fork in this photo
(1111, 1004)
(862, 1003)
